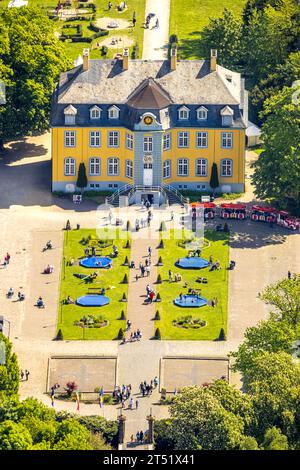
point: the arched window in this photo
(113, 167)
(95, 168)
(182, 167)
(129, 168)
(226, 167)
(201, 167)
(167, 169)
(70, 166)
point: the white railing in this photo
(123, 189)
(171, 189)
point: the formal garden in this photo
(209, 320)
(93, 296)
(85, 24)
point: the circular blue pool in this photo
(190, 301)
(92, 300)
(96, 262)
(193, 262)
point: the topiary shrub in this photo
(126, 261)
(60, 335)
(157, 315)
(160, 262)
(158, 297)
(163, 226)
(120, 334)
(122, 316)
(222, 336)
(124, 298)
(125, 279)
(161, 244)
(159, 280)
(127, 245)
(157, 334)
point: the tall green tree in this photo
(9, 371)
(199, 421)
(14, 436)
(225, 35)
(214, 178)
(275, 440)
(31, 58)
(277, 170)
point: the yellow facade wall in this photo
(213, 153)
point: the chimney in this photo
(213, 60)
(125, 58)
(85, 65)
(173, 58)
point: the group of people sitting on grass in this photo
(115, 252)
(214, 266)
(177, 276)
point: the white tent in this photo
(18, 3)
(253, 134)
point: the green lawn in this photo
(74, 49)
(217, 287)
(188, 18)
(70, 285)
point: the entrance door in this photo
(148, 174)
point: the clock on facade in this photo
(148, 120)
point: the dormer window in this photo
(70, 115)
(227, 116)
(113, 112)
(95, 112)
(183, 113)
(202, 114)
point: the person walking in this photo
(22, 375)
(27, 374)
(149, 251)
(289, 275)
(136, 404)
(156, 23)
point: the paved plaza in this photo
(177, 372)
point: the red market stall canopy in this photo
(204, 205)
(265, 209)
(233, 206)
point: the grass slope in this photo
(188, 18)
(217, 287)
(70, 285)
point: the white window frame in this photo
(148, 144)
(202, 114)
(113, 166)
(167, 141)
(202, 165)
(129, 169)
(113, 112)
(227, 165)
(226, 140)
(183, 114)
(202, 140)
(94, 166)
(69, 166)
(183, 167)
(95, 139)
(113, 139)
(129, 141)
(167, 169)
(70, 138)
(95, 113)
(183, 139)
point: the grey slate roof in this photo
(106, 83)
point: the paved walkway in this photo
(140, 314)
(155, 46)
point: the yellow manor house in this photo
(149, 126)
